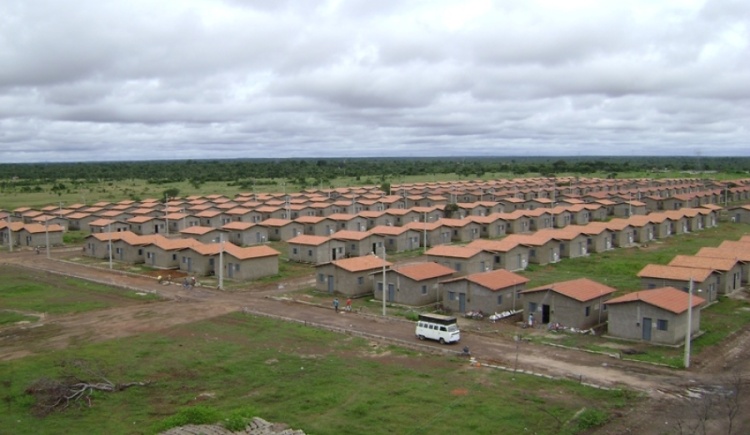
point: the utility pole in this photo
(221, 262)
(166, 215)
(10, 233)
(689, 332)
(109, 232)
(384, 283)
(46, 234)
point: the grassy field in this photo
(313, 380)
(59, 295)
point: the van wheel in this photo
(442, 341)
(421, 337)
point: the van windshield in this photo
(452, 328)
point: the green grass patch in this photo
(233, 367)
(40, 292)
(10, 317)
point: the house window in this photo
(499, 299)
(309, 253)
(174, 257)
(237, 267)
(451, 296)
(294, 251)
(532, 253)
(321, 277)
(498, 259)
(588, 310)
(662, 325)
(532, 307)
(458, 267)
(380, 286)
(424, 289)
(360, 280)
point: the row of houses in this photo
(30, 234)
(187, 255)
(414, 203)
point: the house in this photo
(98, 245)
(398, 239)
(539, 219)
(350, 222)
(543, 248)
(741, 255)
(317, 225)
(245, 233)
(493, 291)
(573, 304)
(729, 271)
(643, 229)
(418, 284)
(462, 230)
(108, 225)
(518, 222)
(508, 254)
(162, 253)
(177, 222)
(203, 234)
(706, 280)
(491, 226)
(658, 315)
(464, 260)
(598, 238)
(433, 233)
(315, 249)
(623, 234)
(353, 277)
(740, 214)
(282, 229)
(144, 225)
(359, 243)
(79, 221)
(572, 243)
(40, 235)
(238, 263)
(10, 231)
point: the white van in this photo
(438, 327)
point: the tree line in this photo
(247, 172)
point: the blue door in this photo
(330, 283)
(647, 329)
(391, 292)
(462, 302)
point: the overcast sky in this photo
(95, 80)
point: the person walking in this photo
(336, 304)
(348, 304)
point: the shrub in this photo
(192, 415)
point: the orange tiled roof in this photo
(666, 298)
(721, 264)
(495, 280)
(582, 289)
(304, 239)
(453, 251)
(359, 264)
(674, 272)
(423, 271)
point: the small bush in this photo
(238, 420)
(591, 418)
(191, 415)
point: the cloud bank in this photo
(134, 80)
